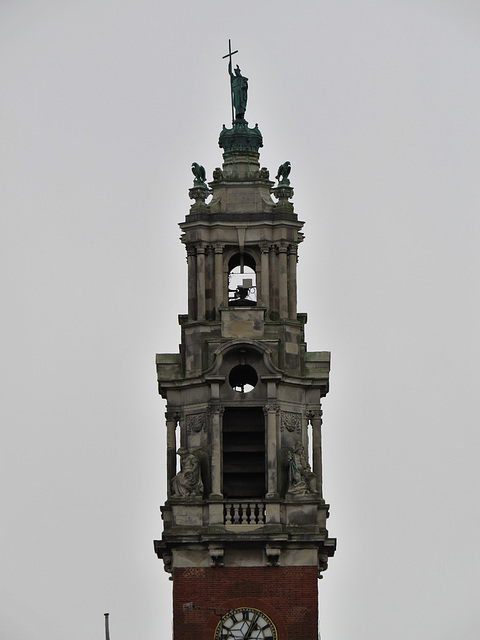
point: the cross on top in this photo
(230, 52)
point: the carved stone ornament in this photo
(322, 564)
(273, 555)
(188, 481)
(216, 555)
(196, 422)
(301, 479)
(291, 421)
(217, 174)
(199, 194)
(167, 562)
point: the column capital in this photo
(312, 415)
(271, 408)
(216, 409)
(219, 247)
(172, 416)
(265, 247)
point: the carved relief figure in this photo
(188, 481)
(301, 479)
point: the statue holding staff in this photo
(238, 86)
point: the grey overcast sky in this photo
(105, 104)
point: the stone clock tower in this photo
(245, 536)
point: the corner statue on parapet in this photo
(199, 175)
(283, 173)
(188, 481)
(301, 479)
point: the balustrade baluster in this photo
(228, 513)
(236, 514)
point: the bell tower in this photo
(245, 536)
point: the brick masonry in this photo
(288, 595)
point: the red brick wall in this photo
(288, 595)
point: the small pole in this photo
(229, 56)
(107, 631)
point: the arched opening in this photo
(242, 281)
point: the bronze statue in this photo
(199, 173)
(283, 173)
(238, 86)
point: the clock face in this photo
(245, 623)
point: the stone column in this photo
(216, 416)
(292, 282)
(192, 282)
(218, 277)
(273, 273)
(282, 284)
(315, 419)
(200, 282)
(209, 283)
(171, 421)
(271, 411)
(265, 278)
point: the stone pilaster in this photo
(282, 284)
(315, 419)
(192, 282)
(271, 412)
(218, 276)
(200, 281)
(273, 271)
(209, 282)
(216, 417)
(292, 282)
(265, 277)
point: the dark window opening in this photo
(243, 453)
(243, 378)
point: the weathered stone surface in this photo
(242, 429)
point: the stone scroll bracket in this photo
(273, 555)
(217, 554)
(322, 564)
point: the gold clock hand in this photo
(250, 628)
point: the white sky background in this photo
(105, 104)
